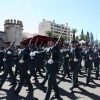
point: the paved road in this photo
(91, 92)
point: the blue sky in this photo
(80, 14)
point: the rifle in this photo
(36, 41)
(59, 38)
(10, 47)
(12, 44)
(56, 47)
(30, 41)
(41, 43)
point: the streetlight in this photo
(96, 33)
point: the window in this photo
(58, 28)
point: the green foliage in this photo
(54, 35)
(76, 38)
(82, 32)
(49, 33)
(86, 38)
(64, 38)
(73, 31)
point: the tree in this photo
(73, 32)
(91, 38)
(76, 38)
(82, 32)
(49, 33)
(86, 38)
(82, 35)
(55, 35)
(87, 33)
(64, 38)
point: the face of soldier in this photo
(22, 46)
(65, 46)
(6, 45)
(86, 47)
(96, 47)
(50, 43)
(73, 45)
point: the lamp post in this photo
(96, 33)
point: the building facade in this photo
(55, 28)
(12, 30)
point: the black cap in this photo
(7, 42)
(18, 46)
(51, 39)
(23, 43)
(74, 41)
(66, 44)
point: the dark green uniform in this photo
(65, 54)
(96, 62)
(74, 64)
(52, 70)
(1, 59)
(8, 66)
(88, 57)
(15, 56)
(23, 55)
(32, 66)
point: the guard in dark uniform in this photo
(23, 57)
(65, 54)
(96, 60)
(1, 58)
(32, 62)
(53, 57)
(15, 56)
(8, 62)
(88, 57)
(74, 64)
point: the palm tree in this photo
(49, 33)
(55, 36)
(73, 31)
(64, 38)
(76, 38)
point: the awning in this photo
(40, 40)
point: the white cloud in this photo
(28, 5)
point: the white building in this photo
(56, 28)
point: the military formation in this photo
(52, 59)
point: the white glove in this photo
(32, 54)
(67, 55)
(21, 61)
(75, 59)
(90, 58)
(50, 61)
(32, 58)
(4, 59)
(8, 52)
(42, 47)
(98, 56)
